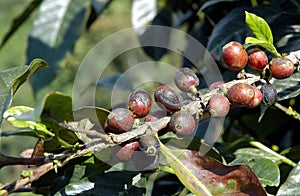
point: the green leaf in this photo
(265, 44)
(56, 28)
(259, 27)
(11, 79)
(203, 175)
(288, 88)
(292, 184)
(263, 164)
(55, 107)
(19, 20)
(38, 128)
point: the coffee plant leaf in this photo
(259, 27)
(291, 185)
(202, 174)
(55, 30)
(263, 164)
(288, 88)
(11, 115)
(11, 79)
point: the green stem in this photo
(265, 148)
(254, 3)
(289, 111)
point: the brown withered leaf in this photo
(202, 174)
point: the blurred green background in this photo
(116, 17)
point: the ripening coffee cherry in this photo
(182, 123)
(269, 94)
(218, 106)
(256, 101)
(240, 94)
(120, 120)
(149, 144)
(234, 56)
(186, 80)
(125, 151)
(139, 102)
(258, 59)
(166, 96)
(281, 68)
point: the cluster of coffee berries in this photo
(235, 57)
(138, 111)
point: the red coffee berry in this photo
(182, 123)
(234, 56)
(240, 94)
(125, 151)
(257, 59)
(281, 68)
(256, 101)
(218, 106)
(139, 102)
(166, 96)
(186, 80)
(120, 120)
(269, 94)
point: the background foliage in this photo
(73, 27)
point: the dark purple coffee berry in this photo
(269, 94)
(139, 102)
(234, 56)
(166, 96)
(218, 106)
(120, 120)
(258, 59)
(149, 144)
(256, 101)
(125, 151)
(186, 80)
(281, 68)
(240, 94)
(182, 123)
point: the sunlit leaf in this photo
(259, 27)
(265, 44)
(142, 13)
(39, 129)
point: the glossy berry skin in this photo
(240, 94)
(281, 68)
(120, 120)
(218, 106)
(185, 79)
(182, 123)
(149, 144)
(269, 94)
(166, 96)
(256, 101)
(139, 102)
(234, 56)
(124, 152)
(258, 59)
